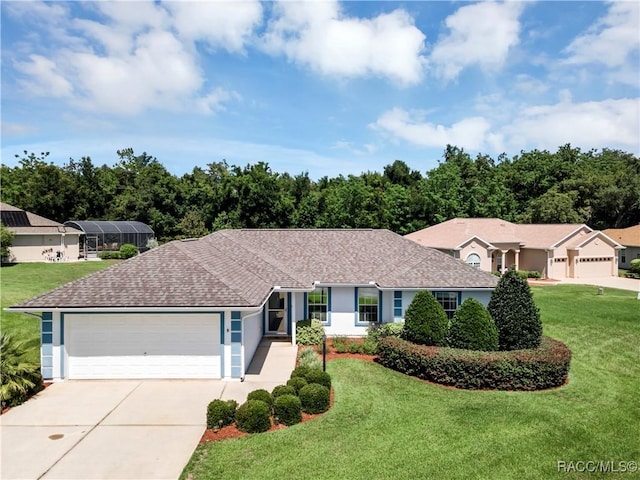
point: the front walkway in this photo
(271, 366)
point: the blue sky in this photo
(325, 87)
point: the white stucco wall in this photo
(252, 331)
(29, 248)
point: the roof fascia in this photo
(488, 244)
(573, 232)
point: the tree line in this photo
(600, 188)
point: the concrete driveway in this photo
(124, 429)
(106, 430)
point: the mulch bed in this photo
(231, 431)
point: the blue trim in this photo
(379, 306)
(236, 345)
(288, 313)
(397, 305)
(47, 316)
(235, 315)
(62, 349)
(305, 305)
(355, 306)
(46, 345)
(221, 344)
(459, 300)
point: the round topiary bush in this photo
(253, 416)
(314, 398)
(319, 377)
(282, 390)
(473, 328)
(288, 409)
(221, 413)
(261, 395)
(300, 371)
(297, 383)
(127, 251)
(425, 321)
(515, 314)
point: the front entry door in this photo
(277, 314)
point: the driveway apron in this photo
(106, 430)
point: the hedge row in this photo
(544, 367)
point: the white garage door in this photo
(595, 267)
(143, 346)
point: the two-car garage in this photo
(142, 345)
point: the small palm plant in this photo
(18, 378)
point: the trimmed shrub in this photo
(253, 416)
(297, 383)
(261, 395)
(354, 347)
(426, 322)
(319, 377)
(340, 344)
(109, 255)
(369, 347)
(472, 328)
(282, 390)
(221, 413)
(127, 251)
(384, 330)
(515, 313)
(288, 409)
(544, 367)
(307, 357)
(309, 332)
(529, 274)
(634, 265)
(300, 371)
(314, 398)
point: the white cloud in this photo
(320, 36)
(229, 25)
(44, 77)
(608, 123)
(481, 34)
(470, 133)
(613, 41)
(365, 149)
(215, 99)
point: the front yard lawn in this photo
(25, 280)
(387, 425)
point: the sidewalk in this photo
(271, 366)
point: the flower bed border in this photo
(525, 370)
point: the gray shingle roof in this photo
(240, 268)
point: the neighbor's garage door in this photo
(595, 267)
(143, 346)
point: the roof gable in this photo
(35, 223)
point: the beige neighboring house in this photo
(630, 238)
(555, 250)
(38, 239)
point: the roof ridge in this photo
(183, 248)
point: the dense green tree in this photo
(425, 320)
(6, 241)
(515, 313)
(473, 328)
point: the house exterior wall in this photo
(531, 259)
(478, 248)
(29, 248)
(252, 332)
(628, 254)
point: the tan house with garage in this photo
(555, 250)
(38, 239)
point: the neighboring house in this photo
(38, 239)
(106, 235)
(630, 238)
(199, 308)
(555, 250)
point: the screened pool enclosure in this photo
(102, 235)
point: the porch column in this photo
(504, 260)
(293, 318)
(517, 259)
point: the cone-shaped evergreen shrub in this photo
(515, 313)
(425, 320)
(473, 328)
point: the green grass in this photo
(25, 280)
(387, 425)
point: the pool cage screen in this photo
(100, 235)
